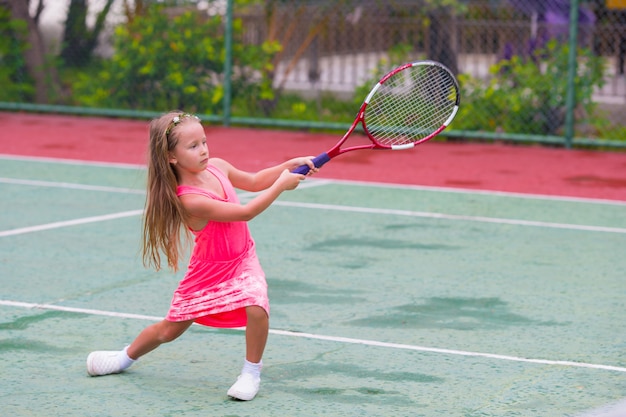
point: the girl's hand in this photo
(289, 181)
(303, 160)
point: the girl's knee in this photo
(257, 314)
(170, 331)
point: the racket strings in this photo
(411, 105)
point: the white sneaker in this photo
(104, 363)
(246, 387)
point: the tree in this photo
(135, 8)
(79, 41)
(16, 84)
(45, 77)
(442, 33)
(282, 19)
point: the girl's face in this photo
(191, 152)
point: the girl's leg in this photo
(256, 333)
(154, 335)
(113, 362)
(247, 385)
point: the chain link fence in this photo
(527, 70)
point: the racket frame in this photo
(360, 119)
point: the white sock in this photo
(125, 360)
(252, 368)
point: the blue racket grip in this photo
(318, 161)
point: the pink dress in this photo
(224, 274)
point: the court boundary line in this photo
(283, 203)
(336, 339)
(341, 181)
(78, 162)
(459, 217)
(456, 190)
(58, 225)
(70, 186)
(91, 219)
(394, 212)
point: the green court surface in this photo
(385, 301)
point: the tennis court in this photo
(387, 299)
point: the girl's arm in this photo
(201, 209)
(263, 179)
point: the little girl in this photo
(224, 285)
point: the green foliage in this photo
(613, 132)
(327, 108)
(16, 84)
(164, 62)
(528, 95)
(604, 126)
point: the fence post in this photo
(571, 74)
(228, 61)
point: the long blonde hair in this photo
(164, 214)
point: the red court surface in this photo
(478, 166)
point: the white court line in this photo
(86, 220)
(77, 162)
(352, 182)
(57, 225)
(455, 190)
(394, 212)
(431, 215)
(76, 186)
(244, 196)
(69, 185)
(336, 339)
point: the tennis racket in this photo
(408, 106)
